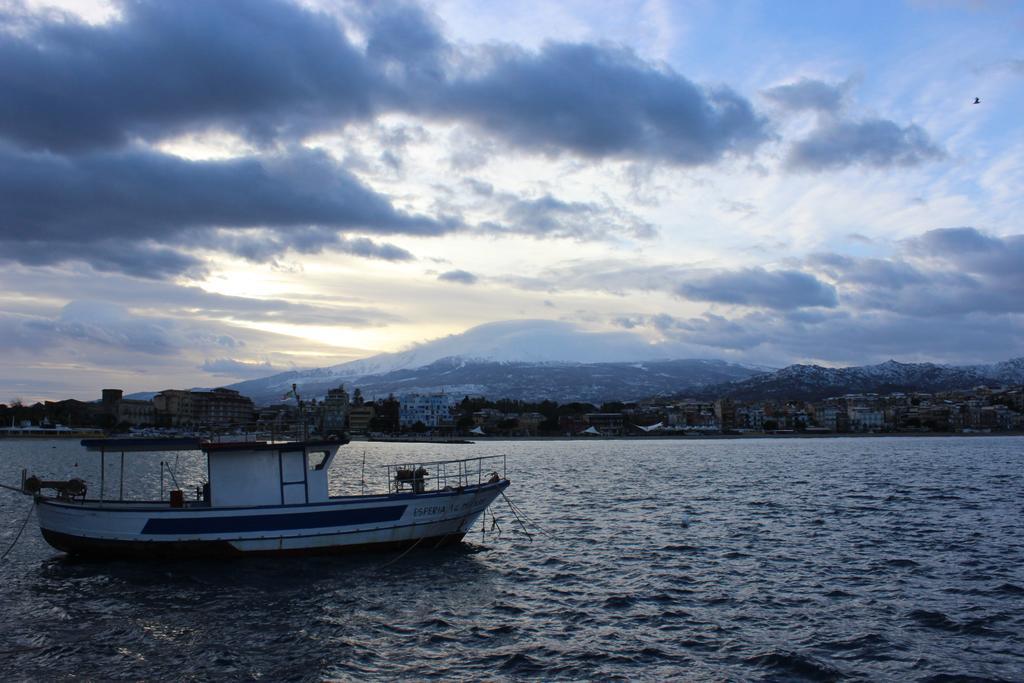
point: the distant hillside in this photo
(814, 382)
(544, 359)
(558, 381)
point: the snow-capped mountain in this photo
(540, 359)
(523, 341)
(528, 359)
(558, 381)
(812, 382)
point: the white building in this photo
(430, 409)
(865, 419)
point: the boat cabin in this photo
(239, 474)
(268, 474)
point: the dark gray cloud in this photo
(807, 93)
(136, 193)
(875, 142)
(601, 101)
(273, 70)
(844, 336)
(974, 251)
(116, 209)
(944, 273)
(779, 289)
(884, 273)
(461, 276)
(267, 69)
(138, 259)
(709, 330)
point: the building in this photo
(71, 412)
(173, 408)
(136, 413)
(433, 410)
(725, 413)
(865, 419)
(749, 417)
(608, 424)
(335, 409)
(826, 416)
(125, 410)
(387, 413)
(222, 408)
(359, 418)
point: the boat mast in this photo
(302, 411)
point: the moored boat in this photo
(265, 498)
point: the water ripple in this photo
(863, 559)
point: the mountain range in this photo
(814, 382)
(536, 360)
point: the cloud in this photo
(238, 369)
(600, 101)
(108, 325)
(274, 71)
(780, 289)
(194, 303)
(548, 216)
(974, 251)
(943, 274)
(845, 337)
(878, 143)
(807, 94)
(885, 273)
(614, 276)
(460, 276)
(754, 287)
(125, 210)
(138, 259)
(267, 69)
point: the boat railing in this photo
(444, 475)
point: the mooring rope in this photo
(518, 511)
(31, 507)
(407, 551)
(516, 515)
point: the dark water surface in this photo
(898, 559)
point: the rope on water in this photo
(31, 507)
(407, 551)
(13, 488)
(518, 512)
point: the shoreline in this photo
(697, 437)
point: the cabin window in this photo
(317, 460)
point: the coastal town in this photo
(441, 415)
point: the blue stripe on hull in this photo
(281, 522)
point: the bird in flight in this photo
(977, 100)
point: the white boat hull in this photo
(341, 524)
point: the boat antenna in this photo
(302, 411)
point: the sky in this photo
(195, 193)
